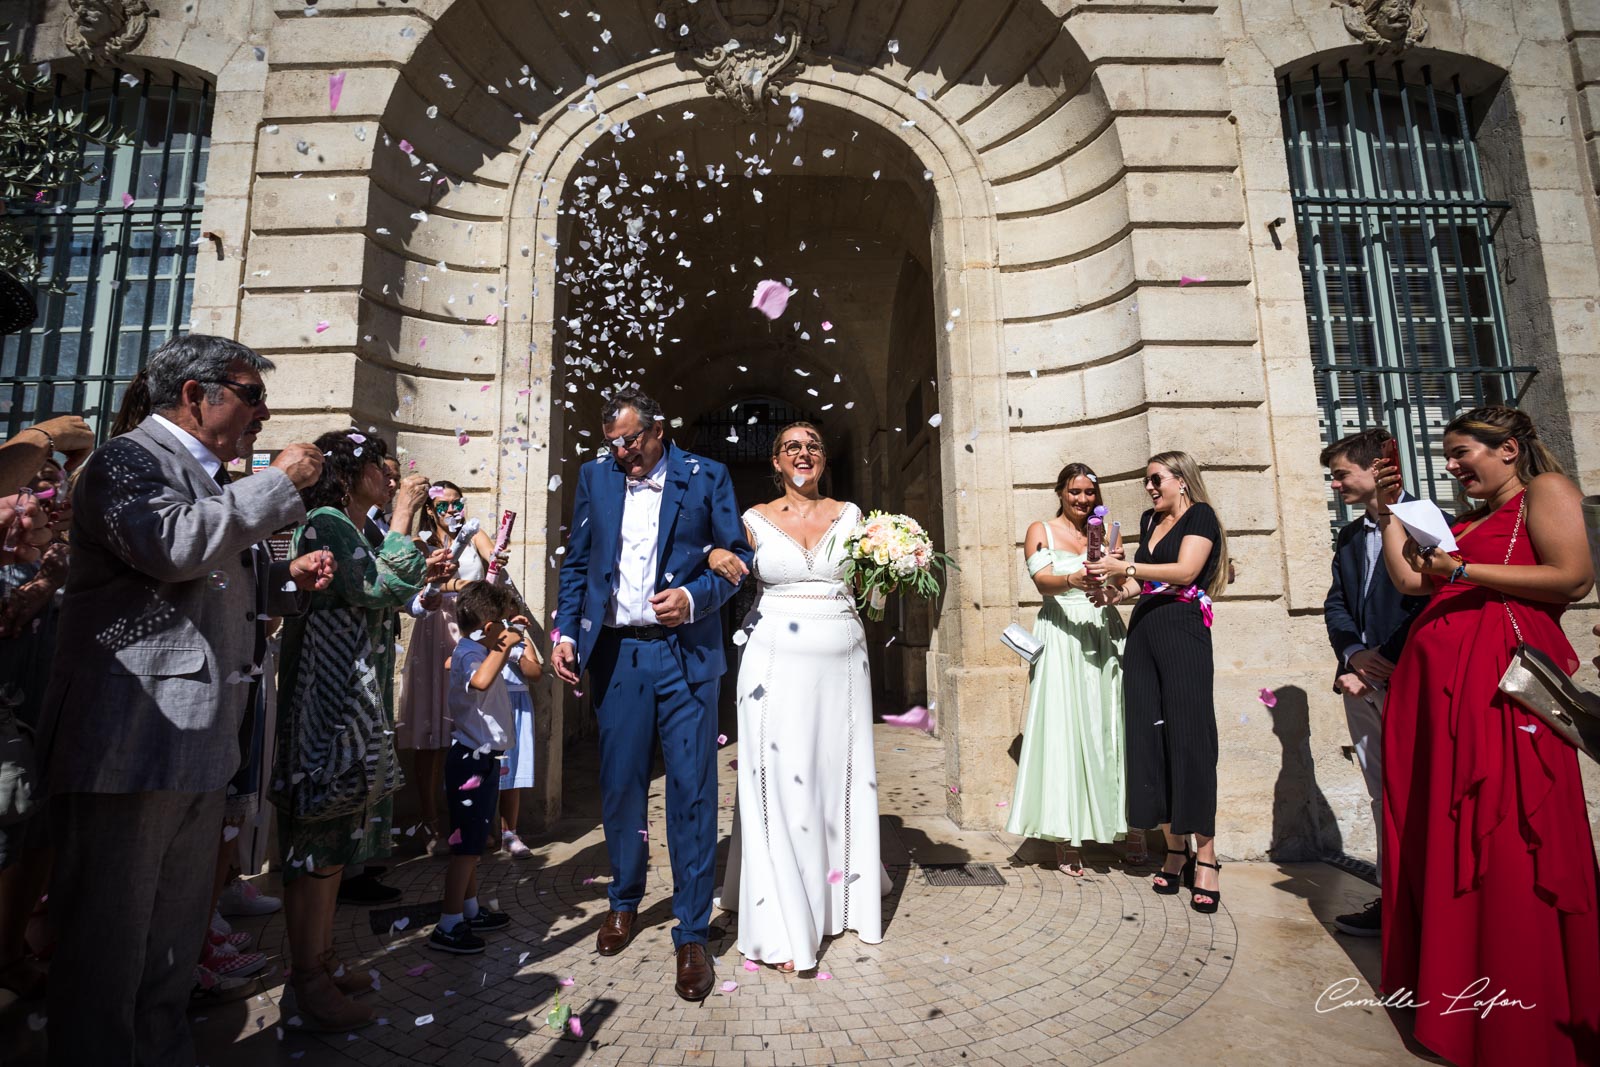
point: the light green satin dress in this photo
(1070, 785)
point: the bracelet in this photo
(50, 442)
(1459, 572)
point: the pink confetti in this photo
(729, 987)
(422, 343)
(483, 389)
(127, 200)
(462, 439)
(575, 1024)
(918, 718)
(826, 325)
(566, 983)
(722, 739)
(436, 491)
(335, 89)
(835, 877)
(590, 881)
(824, 977)
(733, 765)
(471, 783)
(490, 320)
(954, 790)
(454, 838)
(405, 146)
(524, 392)
(555, 635)
(38, 198)
(644, 835)
(323, 326)
(1268, 697)
(1002, 803)
(419, 970)
(751, 965)
(771, 298)
(577, 693)
(1186, 280)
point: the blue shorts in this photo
(474, 813)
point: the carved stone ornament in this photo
(749, 49)
(100, 31)
(1384, 25)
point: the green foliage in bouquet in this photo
(41, 148)
(874, 575)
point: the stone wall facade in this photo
(1057, 167)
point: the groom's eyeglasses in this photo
(627, 441)
(794, 448)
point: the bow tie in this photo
(635, 484)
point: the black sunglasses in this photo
(1153, 480)
(251, 394)
(627, 441)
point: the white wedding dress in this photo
(804, 862)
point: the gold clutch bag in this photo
(1535, 682)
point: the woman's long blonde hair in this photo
(1183, 465)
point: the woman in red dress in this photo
(1490, 928)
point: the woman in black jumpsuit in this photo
(1167, 673)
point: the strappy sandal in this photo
(1167, 883)
(1203, 907)
(1074, 868)
(1136, 853)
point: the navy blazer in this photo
(698, 513)
(1383, 613)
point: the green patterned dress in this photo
(1070, 784)
(373, 583)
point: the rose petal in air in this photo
(471, 783)
(771, 298)
(835, 877)
(1268, 697)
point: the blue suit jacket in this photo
(1383, 613)
(698, 513)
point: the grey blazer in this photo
(159, 626)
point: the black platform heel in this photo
(1167, 883)
(1214, 894)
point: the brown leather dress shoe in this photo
(615, 933)
(695, 975)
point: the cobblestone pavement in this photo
(1042, 969)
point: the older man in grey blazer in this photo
(160, 634)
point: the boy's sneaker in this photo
(1367, 922)
(242, 898)
(225, 961)
(513, 844)
(487, 920)
(462, 940)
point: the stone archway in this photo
(993, 115)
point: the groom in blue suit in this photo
(638, 609)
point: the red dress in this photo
(1488, 866)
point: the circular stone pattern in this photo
(1081, 969)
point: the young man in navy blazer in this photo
(638, 609)
(1367, 622)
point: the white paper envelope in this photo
(1427, 525)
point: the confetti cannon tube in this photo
(458, 548)
(502, 541)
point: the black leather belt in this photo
(641, 633)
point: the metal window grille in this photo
(122, 244)
(1407, 322)
(744, 432)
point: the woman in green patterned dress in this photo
(336, 766)
(1069, 786)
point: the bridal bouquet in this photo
(891, 554)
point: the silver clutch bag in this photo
(1022, 642)
(1535, 682)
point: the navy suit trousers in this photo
(641, 693)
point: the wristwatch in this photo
(1133, 569)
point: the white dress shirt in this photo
(206, 458)
(638, 560)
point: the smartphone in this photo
(1391, 454)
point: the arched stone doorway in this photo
(663, 237)
(975, 116)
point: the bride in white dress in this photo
(804, 861)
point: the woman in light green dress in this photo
(1070, 785)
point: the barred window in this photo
(1403, 301)
(120, 246)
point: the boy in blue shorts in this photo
(483, 730)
